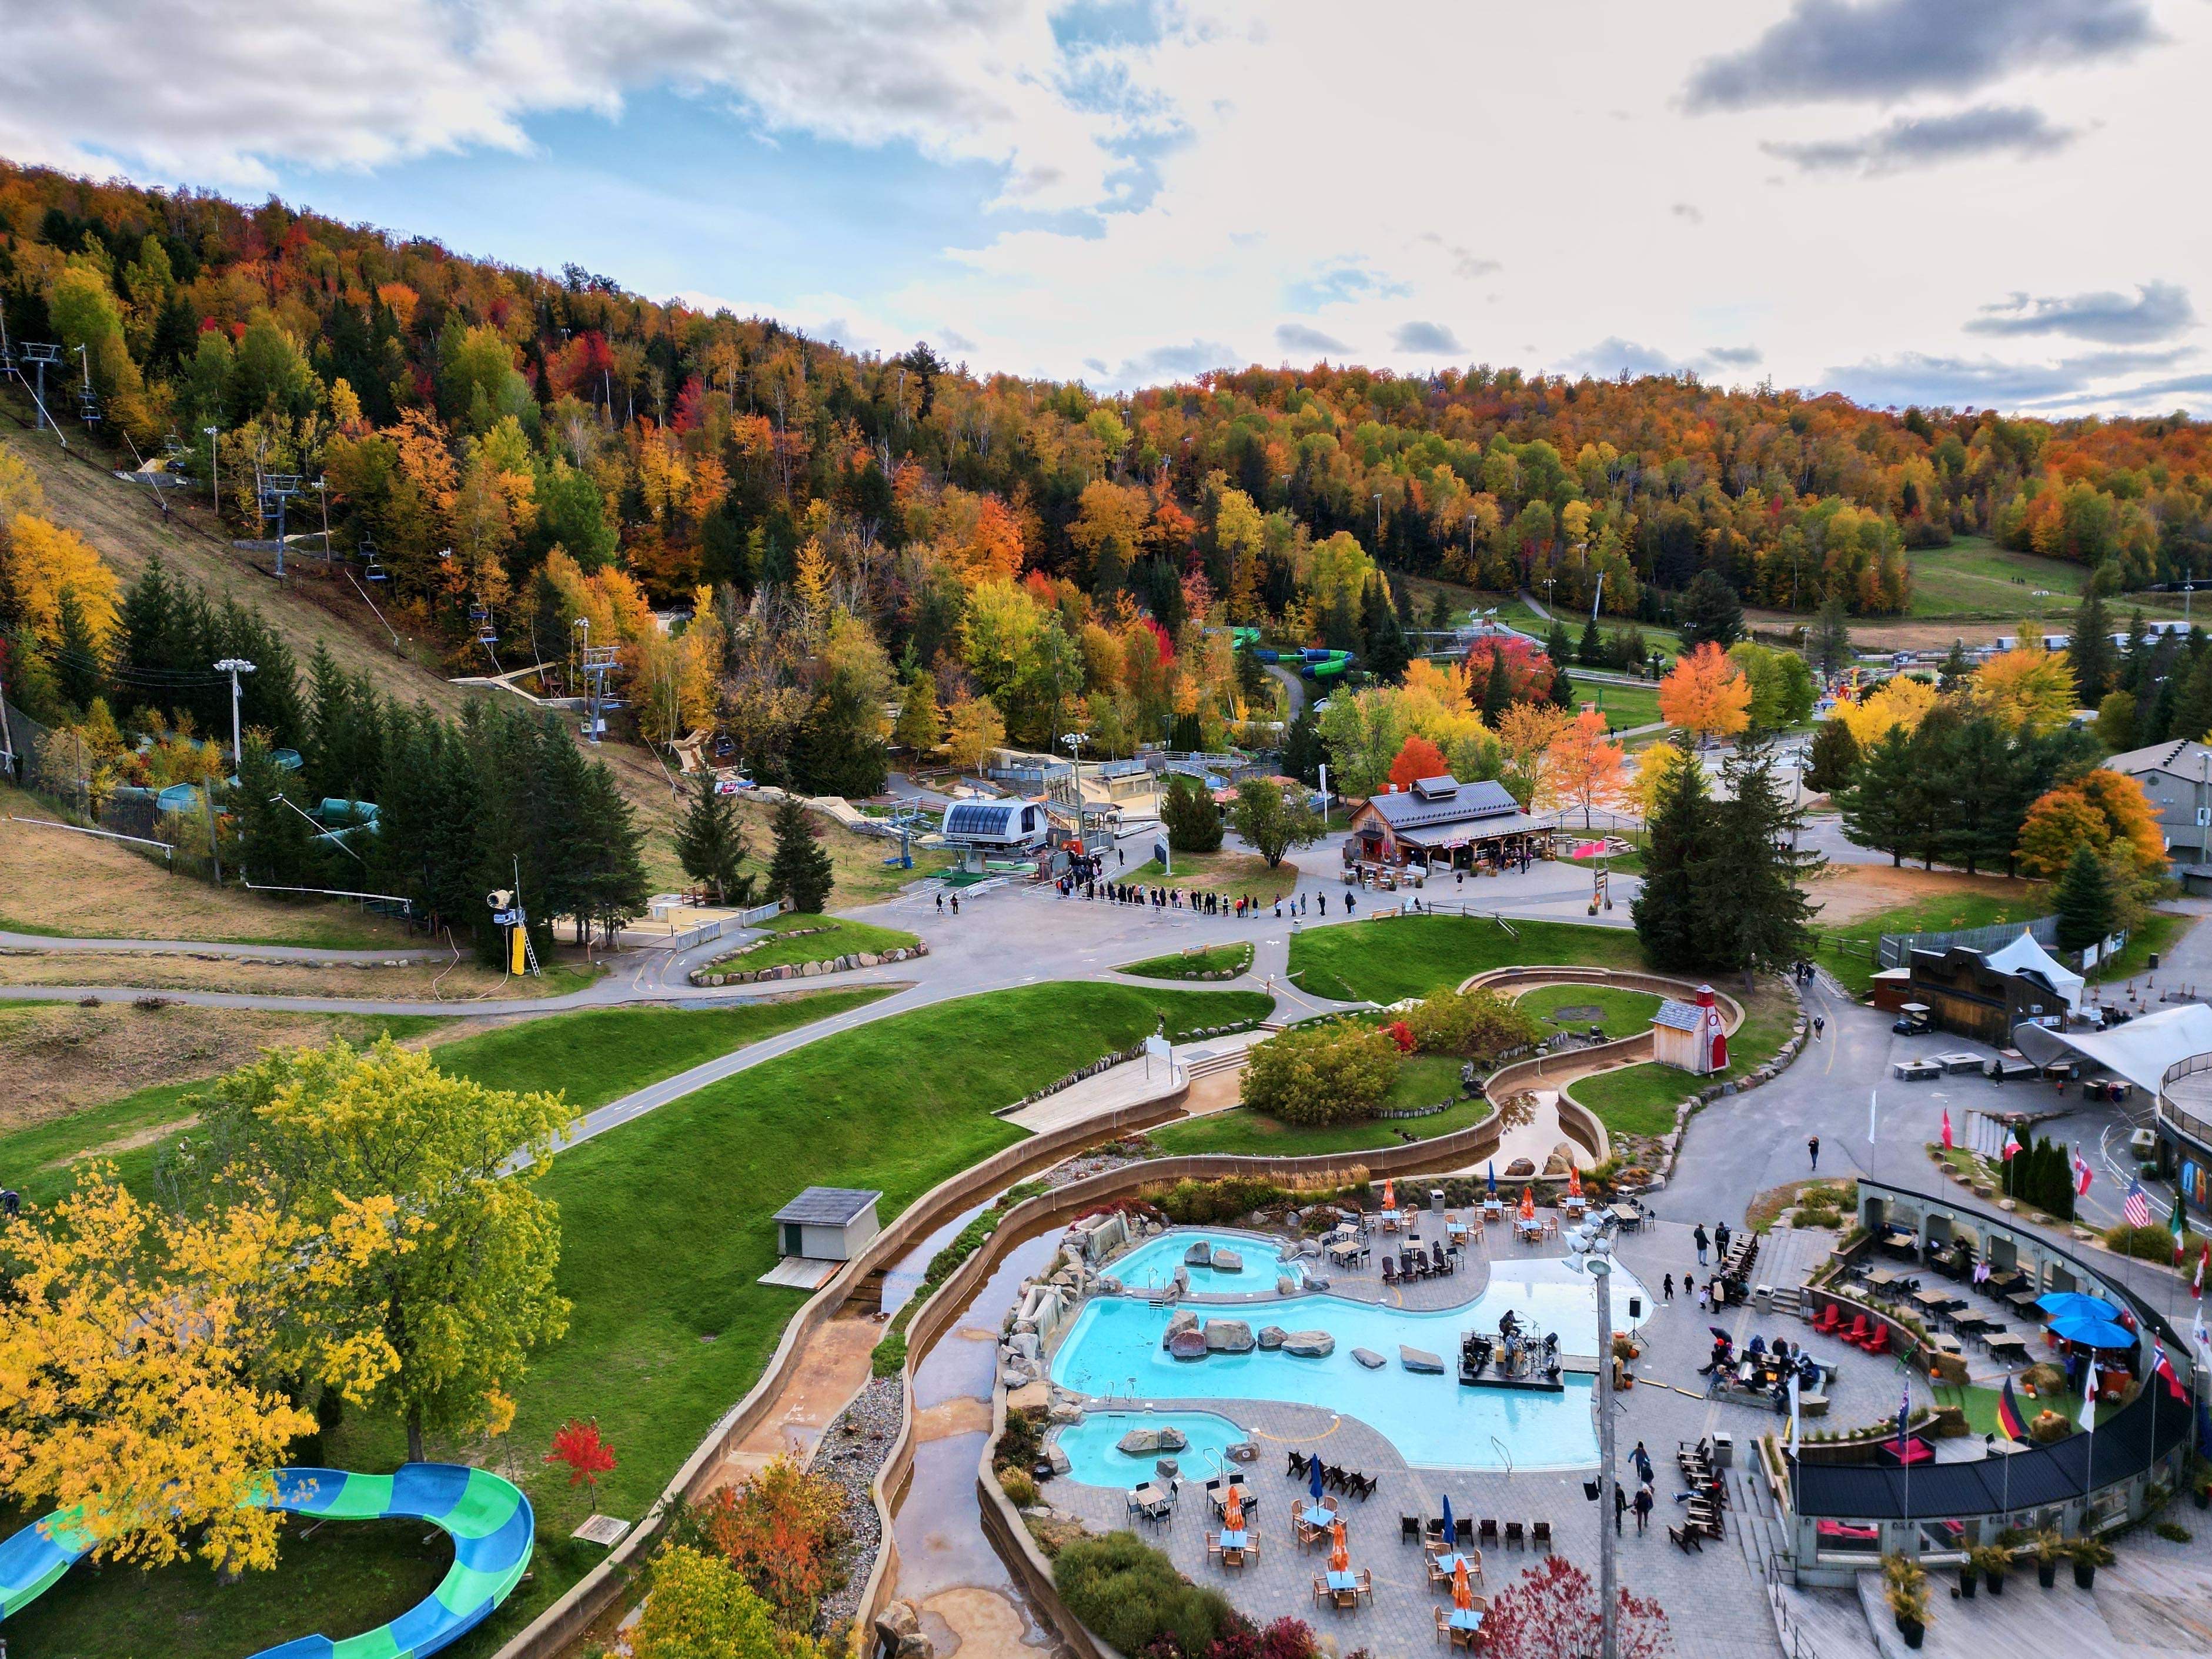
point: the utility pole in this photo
(234, 666)
(215, 474)
(1589, 1251)
(1378, 526)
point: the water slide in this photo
(488, 1520)
(1314, 662)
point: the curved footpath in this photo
(65, 943)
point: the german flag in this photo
(2010, 1424)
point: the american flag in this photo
(2135, 1209)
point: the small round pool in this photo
(1094, 1457)
(1152, 1264)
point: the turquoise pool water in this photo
(1093, 1460)
(1155, 1261)
(1431, 1420)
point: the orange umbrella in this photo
(1232, 1512)
(1574, 1181)
(1389, 1195)
(1339, 1559)
(1463, 1592)
(1527, 1203)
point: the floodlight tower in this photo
(234, 666)
(276, 489)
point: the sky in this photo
(1971, 203)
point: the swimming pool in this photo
(1093, 1459)
(1431, 1420)
(1154, 1263)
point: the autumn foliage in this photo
(1551, 1612)
(577, 1443)
(2104, 811)
(782, 1531)
(1418, 758)
(1706, 694)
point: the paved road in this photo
(66, 944)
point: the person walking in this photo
(1703, 1302)
(1812, 1145)
(1642, 1460)
(1619, 1507)
(1643, 1507)
(940, 904)
(1347, 904)
(1667, 1287)
(1818, 1026)
(1703, 1241)
(956, 904)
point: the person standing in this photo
(1703, 1241)
(1643, 1507)
(1812, 1145)
(1619, 1507)
(940, 904)
(1667, 1287)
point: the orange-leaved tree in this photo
(782, 1531)
(1583, 767)
(1417, 759)
(1706, 694)
(2105, 812)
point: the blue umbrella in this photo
(1448, 1521)
(2092, 1333)
(1313, 1476)
(2060, 1303)
(1493, 1178)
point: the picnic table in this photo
(2007, 1346)
(1933, 1300)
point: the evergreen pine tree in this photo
(1711, 613)
(1303, 752)
(1833, 760)
(1756, 916)
(798, 872)
(1978, 806)
(1440, 611)
(1388, 657)
(611, 884)
(78, 671)
(1830, 644)
(1666, 910)
(1590, 649)
(1876, 804)
(277, 846)
(2084, 900)
(2089, 649)
(1189, 814)
(1496, 695)
(1563, 690)
(1558, 645)
(1954, 669)
(710, 841)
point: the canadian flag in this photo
(1947, 1128)
(2081, 1173)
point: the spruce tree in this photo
(1590, 649)
(1755, 914)
(78, 672)
(1303, 752)
(277, 844)
(2089, 649)
(1190, 818)
(1388, 659)
(1833, 760)
(1666, 910)
(1558, 645)
(1830, 644)
(1711, 613)
(798, 873)
(710, 841)
(2084, 900)
(1877, 804)
(1954, 669)
(1563, 690)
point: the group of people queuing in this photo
(1240, 907)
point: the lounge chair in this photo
(1879, 1342)
(1489, 1533)
(1389, 1272)
(1831, 1318)
(1409, 1528)
(1685, 1539)
(1366, 1488)
(1856, 1335)
(1516, 1538)
(1463, 1529)
(1540, 1533)
(1298, 1465)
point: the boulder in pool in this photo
(1199, 1254)
(1188, 1345)
(1181, 1320)
(1228, 1336)
(1244, 1451)
(1285, 1285)
(1228, 1261)
(1420, 1359)
(1146, 1442)
(1309, 1345)
(1368, 1358)
(1270, 1337)
(1167, 1468)
(1056, 1458)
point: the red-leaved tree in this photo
(1527, 671)
(577, 1443)
(1551, 1612)
(1418, 759)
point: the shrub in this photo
(700, 1604)
(2144, 1244)
(1022, 1441)
(1333, 1071)
(782, 1530)
(1478, 1026)
(2173, 1532)
(1201, 1203)
(1019, 1485)
(1132, 1595)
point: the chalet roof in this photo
(1464, 802)
(1680, 1016)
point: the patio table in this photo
(1471, 1618)
(1220, 1494)
(1234, 1544)
(1449, 1564)
(1314, 1516)
(2008, 1346)
(1343, 1583)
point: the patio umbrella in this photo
(1389, 1195)
(1313, 1476)
(2092, 1332)
(1448, 1534)
(1574, 1181)
(1527, 1203)
(1339, 1559)
(1463, 1592)
(2060, 1303)
(1493, 1178)
(1232, 1512)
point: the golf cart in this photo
(1913, 1020)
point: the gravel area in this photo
(1112, 1156)
(848, 1457)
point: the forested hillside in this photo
(550, 448)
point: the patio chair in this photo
(1363, 1488)
(1515, 1537)
(1409, 1528)
(1463, 1529)
(1432, 1531)
(1365, 1585)
(1831, 1318)
(1298, 1465)
(1389, 1272)
(1879, 1342)
(1488, 1534)
(1320, 1592)
(1437, 1574)
(1856, 1335)
(1685, 1539)
(1443, 1628)
(1539, 1535)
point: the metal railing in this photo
(2197, 1128)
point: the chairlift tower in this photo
(38, 355)
(276, 490)
(597, 662)
(88, 401)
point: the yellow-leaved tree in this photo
(41, 562)
(975, 730)
(1900, 701)
(2029, 688)
(439, 1327)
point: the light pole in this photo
(215, 474)
(234, 666)
(1378, 526)
(1589, 1250)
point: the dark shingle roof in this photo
(827, 1207)
(1467, 801)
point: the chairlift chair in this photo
(480, 620)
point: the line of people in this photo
(1241, 906)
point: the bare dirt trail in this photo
(1845, 892)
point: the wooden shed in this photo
(1691, 1035)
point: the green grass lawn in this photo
(1211, 959)
(1623, 1013)
(1848, 950)
(1975, 578)
(1412, 956)
(839, 938)
(1640, 1100)
(666, 1232)
(1980, 1404)
(1232, 875)
(1623, 706)
(1425, 1080)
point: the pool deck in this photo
(1714, 1599)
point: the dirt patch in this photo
(1845, 892)
(58, 1058)
(406, 981)
(963, 1415)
